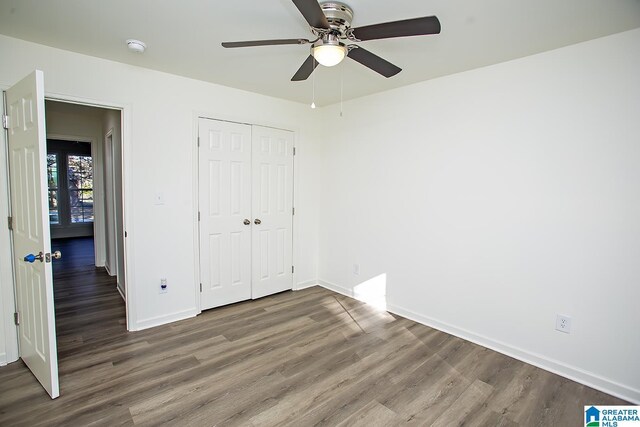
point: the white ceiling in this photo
(184, 37)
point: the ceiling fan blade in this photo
(374, 62)
(265, 42)
(313, 13)
(408, 27)
(305, 70)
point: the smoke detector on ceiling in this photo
(136, 46)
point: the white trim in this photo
(3, 359)
(348, 292)
(306, 285)
(108, 269)
(120, 292)
(109, 230)
(195, 177)
(583, 377)
(295, 224)
(165, 319)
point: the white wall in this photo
(159, 149)
(495, 199)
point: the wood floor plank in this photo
(372, 415)
(469, 402)
(311, 357)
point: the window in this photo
(52, 179)
(70, 182)
(80, 181)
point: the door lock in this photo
(55, 255)
(257, 222)
(32, 257)
(246, 222)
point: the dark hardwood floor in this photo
(302, 358)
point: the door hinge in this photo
(16, 318)
(292, 268)
(10, 222)
(5, 121)
(125, 234)
(200, 287)
(293, 211)
(294, 151)
(198, 215)
(198, 141)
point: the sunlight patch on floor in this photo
(373, 292)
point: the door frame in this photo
(7, 282)
(109, 150)
(197, 115)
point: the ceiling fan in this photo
(330, 23)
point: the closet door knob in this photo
(247, 222)
(257, 222)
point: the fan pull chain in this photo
(313, 84)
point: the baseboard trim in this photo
(306, 285)
(575, 374)
(163, 320)
(120, 292)
(3, 359)
(106, 267)
(336, 288)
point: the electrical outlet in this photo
(356, 269)
(159, 198)
(563, 324)
(163, 286)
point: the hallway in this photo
(88, 306)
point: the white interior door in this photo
(225, 212)
(30, 211)
(272, 195)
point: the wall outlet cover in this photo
(563, 323)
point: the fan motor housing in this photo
(338, 14)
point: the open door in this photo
(30, 224)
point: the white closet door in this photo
(225, 204)
(272, 196)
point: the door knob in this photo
(56, 255)
(257, 222)
(247, 222)
(32, 257)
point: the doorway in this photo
(32, 336)
(86, 143)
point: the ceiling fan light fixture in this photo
(329, 54)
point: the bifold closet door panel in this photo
(224, 204)
(272, 205)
